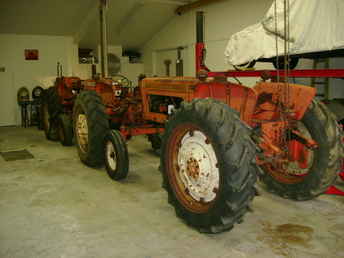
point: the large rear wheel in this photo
(208, 165)
(155, 140)
(48, 115)
(65, 129)
(309, 171)
(90, 127)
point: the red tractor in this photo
(57, 108)
(215, 138)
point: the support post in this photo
(103, 38)
(201, 68)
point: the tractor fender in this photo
(240, 98)
(271, 97)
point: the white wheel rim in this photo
(198, 167)
(111, 155)
(82, 131)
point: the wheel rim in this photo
(193, 168)
(82, 132)
(293, 171)
(111, 155)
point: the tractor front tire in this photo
(90, 127)
(65, 130)
(116, 155)
(208, 165)
(322, 173)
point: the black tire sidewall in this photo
(89, 104)
(211, 134)
(122, 158)
(230, 139)
(65, 125)
(311, 184)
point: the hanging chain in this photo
(286, 112)
(276, 40)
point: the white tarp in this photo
(315, 25)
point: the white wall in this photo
(129, 70)
(20, 72)
(52, 49)
(221, 21)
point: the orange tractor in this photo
(215, 138)
(57, 108)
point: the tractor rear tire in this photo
(279, 64)
(65, 130)
(40, 125)
(116, 155)
(155, 140)
(208, 165)
(55, 106)
(323, 128)
(48, 122)
(91, 124)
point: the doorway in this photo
(8, 101)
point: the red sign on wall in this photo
(31, 54)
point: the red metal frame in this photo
(203, 71)
(306, 73)
(134, 131)
(334, 190)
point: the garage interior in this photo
(57, 201)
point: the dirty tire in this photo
(279, 64)
(324, 129)
(235, 152)
(49, 123)
(116, 155)
(41, 100)
(155, 140)
(40, 125)
(65, 129)
(55, 106)
(89, 104)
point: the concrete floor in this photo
(54, 206)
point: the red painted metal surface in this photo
(200, 56)
(334, 191)
(134, 131)
(341, 175)
(308, 73)
(213, 90)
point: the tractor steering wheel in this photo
(122, 80)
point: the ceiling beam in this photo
(137, 7)
(90, 16)
(129, 16)
(188, 7)
(171, 2)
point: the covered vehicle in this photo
(315, 29)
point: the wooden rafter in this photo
(188, 7)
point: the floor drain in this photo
(16, 155)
